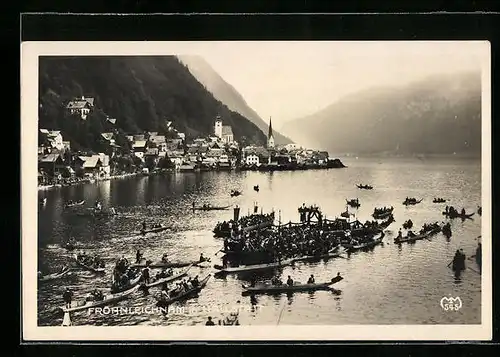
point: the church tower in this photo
(270, 136)
(218, 127)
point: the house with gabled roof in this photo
(139, 148)
(81, 106)
(158, 141)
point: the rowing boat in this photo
(211, 208)
(256, 267)
(412, 202)
(54, 276)
(185, 294)
(168, 279)
(267, 288)
(153, 230)
(416, 237)
(108, 299)
(384, 214)
(336, 252)
(364, 187)
(166, 265)
(458, 215)
(79, 203)
(87, 267)
(131, 283)
(373, 242)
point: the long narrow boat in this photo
(256, 267)
(87, 267)
(211, 208)
(416, 237)
(459, 215)
(108, 299)
(371, 243)
(185, 294)
(167, 265)
(132, 282)
(267, 288)
(153, 230)
(334, 253)
(75, 204)
(382, 215)
(168, 279)
(54, 276)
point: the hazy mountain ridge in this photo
(437, 115)
(142, 93)
(226, 93)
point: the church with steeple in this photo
(270, 136)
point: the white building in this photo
(218, 127)
(223, 132)
(252, 159)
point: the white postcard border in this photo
(30, 51)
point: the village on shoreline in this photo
(158, 152)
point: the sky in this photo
(288, 80)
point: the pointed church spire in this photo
(270, 133)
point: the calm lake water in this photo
(389, 285)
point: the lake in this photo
(391, 284)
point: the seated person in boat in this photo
(209, 322)
(311, 279)
(195, 282)
(185, 285)
(463, 211)
(202, 258)
(97, 295)
(164, 258)
(124, 280)
(411, 234)
(289, 281)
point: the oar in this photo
(449, 263)
(66, 319)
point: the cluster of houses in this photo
(219, 151)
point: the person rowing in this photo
(146, 274)
(463, 211)
(195, 282)
(67, 297)
(202, 258)
(289, 281)
(311, 279)
(164, 258)
(138, 256)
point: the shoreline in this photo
(60, 185)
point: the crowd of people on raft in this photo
(452, 211)
(227, 228)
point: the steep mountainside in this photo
(226, 93)
(142, 93)
(438, 115)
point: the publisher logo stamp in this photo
(449, 303)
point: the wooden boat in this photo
(153, 230)
(384, 214)
(256, 267)
(416, 237)
(211, 208)
(373, 242)
(412, 202)
(108, 299)
(365, 187)
(336, 252)
(459, 215)
(166, 265)
(87, 267)
(132, 282)
(267, 288)
(185, 294)
(168, 279)
(75, 204)
(235, 193)
(438, 200)
(54, 276)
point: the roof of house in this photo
(44, 131)
(227, 130)
(78, 104)
(158, 139)
(111, 120)
(90, 100)
(92, 161)
(50, 158)
(139, 137)
(152, 133)
(107, 136)
(139, 144)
